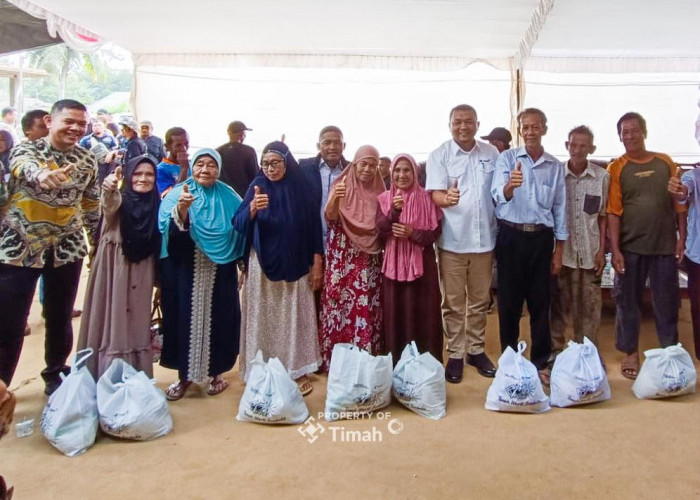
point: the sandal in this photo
(176, 390)
(545, 376)
(304, 385)
(630, 366)
(7, 410)
(217, 386)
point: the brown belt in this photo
(526, 228)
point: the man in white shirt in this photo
(459, 175)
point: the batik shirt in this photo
(38, 220)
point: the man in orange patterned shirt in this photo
(647, 237)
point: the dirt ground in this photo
(620, 449)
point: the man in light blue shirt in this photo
(324, 168)
(459, 174)
(530, 193)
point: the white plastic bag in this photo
(419, 383)
(130, 405)
(578, 376)
(665, 373)
(271, 396)
(358, 383)
(516, 386)
(69, 419)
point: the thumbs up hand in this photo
(676, 187)
(111, 182)
(260, 201)
(339, 189)
(185, 200)
(397, 202)
(54, 178)
(515, 180)
(516, 176)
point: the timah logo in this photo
(312, 429)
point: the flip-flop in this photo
(176, 390)
(217, 386)
(630, 366)
(304, 385)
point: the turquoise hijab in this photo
(211, 216)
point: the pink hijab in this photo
(403, 259)
(358, 210)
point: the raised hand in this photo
(676, 187)
(185, 200)
(340, 188)
(397, 201)
(53, 179)
(111, 182)
(260, 201)
(452, 194)
(516, 176)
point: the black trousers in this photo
(524, 261)
(17, 285)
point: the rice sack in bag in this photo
(69, 419)
(130, 405)
(578, 376)
(516, 386)
(419, 383)
(357, 382)
(271, 396)
(665, 373)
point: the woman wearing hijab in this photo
(409, 223)
(351, 310)
(199, 292)
(117, 310)
(283, 234)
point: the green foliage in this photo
(85, 77)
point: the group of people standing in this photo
(321, 252)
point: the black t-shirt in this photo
(239, 166)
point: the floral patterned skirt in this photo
(351, 306)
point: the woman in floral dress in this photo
(351, 310)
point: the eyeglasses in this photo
(265, 165)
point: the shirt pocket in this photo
(591, 204)
(545, 196)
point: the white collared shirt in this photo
(469, 226)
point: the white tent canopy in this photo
(202, 64)
(547, 35)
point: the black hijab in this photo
(138, 215)
(288, 233)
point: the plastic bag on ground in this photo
(130, 405)
(69, 419)
(665, 373)
(271, 396)
(516, 386)
(578, 376)
(358, 383)
(419, 383)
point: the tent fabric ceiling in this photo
(21, 31)
(549, 35)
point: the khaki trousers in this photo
(465, 282)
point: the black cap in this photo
(237, 127)
(499, 134)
